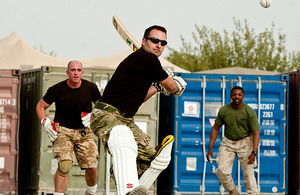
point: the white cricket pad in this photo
(123, 149)
(159, 164)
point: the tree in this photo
(242, 48)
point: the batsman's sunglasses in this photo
(156, 40)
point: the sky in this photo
(82, 29)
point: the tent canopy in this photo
(15, 53)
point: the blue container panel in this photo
(272, 139)
(188, 180)
(190, 139)
(195, 113)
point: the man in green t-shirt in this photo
(241, 139)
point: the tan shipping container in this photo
(9, 129)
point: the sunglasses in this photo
(156, 40)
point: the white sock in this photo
(91, 189)
(58, 193)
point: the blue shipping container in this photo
(192, 115)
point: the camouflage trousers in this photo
(102, 123)
(228, 150)
(79, 141)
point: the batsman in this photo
(136, 163)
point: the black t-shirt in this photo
(69, 103)
(128, 87)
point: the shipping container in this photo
(191, 116)
(9, 127)
(37, 164)
(294, 132)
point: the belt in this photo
(109, 108)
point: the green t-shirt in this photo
(238, 123)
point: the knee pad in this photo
(121, 136)
(123, 148)
(64, 167)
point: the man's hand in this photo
(86, 119)
(165, 92)
(209, 156)
(251, 158)
(49, 128)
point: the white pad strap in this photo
(159, 164)
(123, 149)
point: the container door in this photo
(197, 110)
(9, 127)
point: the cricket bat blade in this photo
(126, 36)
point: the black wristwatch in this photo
(255, 153)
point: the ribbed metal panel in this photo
(9, 129)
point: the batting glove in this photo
(86, 119)
(181, 85)
(165, 92)
(179, 81)
(49, 128)
(170, 72)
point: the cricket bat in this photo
(126, 36)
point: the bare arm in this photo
(151, 91)
(213, 136)
(251, 157)
(255, 140)
(169, 84)
(40, 109)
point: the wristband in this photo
(255, 153)
(157, 86)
